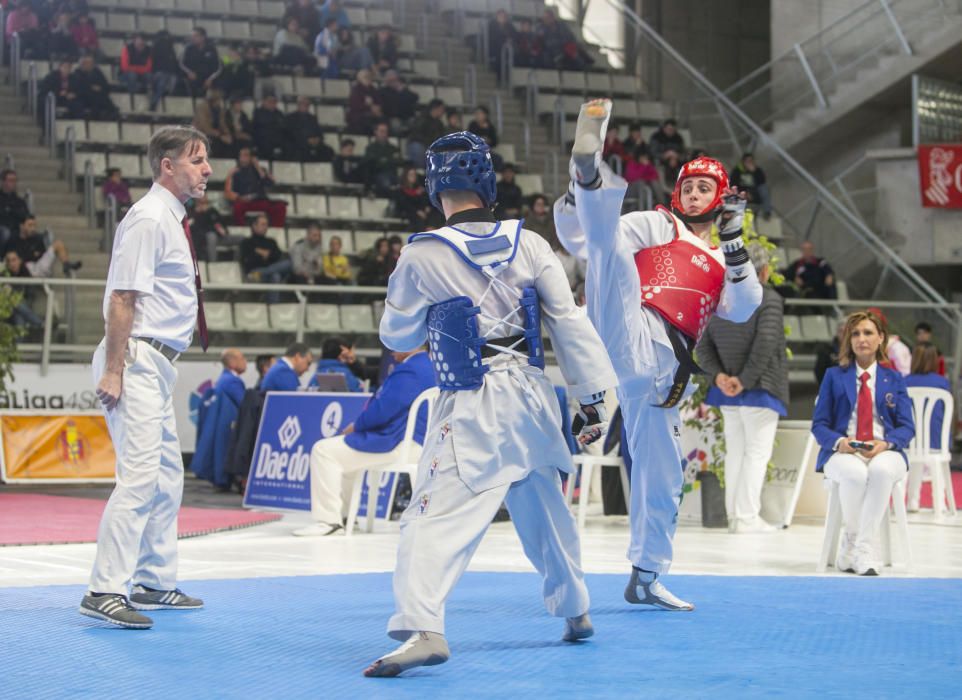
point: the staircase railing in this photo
(807, 74)
(840, 234)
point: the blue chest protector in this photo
(454, 339)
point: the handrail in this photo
(507, 64)
(9, 162)
(32, 87)
(526, 139)
(471, 84)
(3, 32)
(89, 202)
(28, 198)
(70, 157)
(111, 212)
(50, 123)
(850, 221)
(498, 108)
(15, 63)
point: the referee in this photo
(152, 301)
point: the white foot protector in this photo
(421, 649)
(589, 141)
(577, 628)
(644, 588)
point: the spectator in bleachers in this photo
(307, 17)
(270, 134)
(748, 177)
(290, 48)
(336, 267)
(510, 196)
(555, 38)
(363, 106)
(60, 39)
(452, 118)
(307, 258)
(643, 180)
(398, 102)
(350, 56)
(898, 353)
(338, 356)
(670, 166)
(376, 265)
(412, 200)
(200, 62)
(528, 46)
(90, 86)
(57, 81)
(500, 32)
(826, 354)
(812, 275)
(613, 151)
(207, 225)
(136, 64)
(347, 166)
(325, 50)
(165, 66)
(263, 364)
(13, 208)
(481, 126)
(381, 161)
(116, 186)
(23, 20)
(262, 259)
(394, 243)
(285, 374)
(426, 128)
(383, 49)
(239, 71)
(37, 256)
(239, 124)
(923, 334)
(22, 314)
(333, 9)
(666, 140)
(210, 118)
(635, 139)
(864, 402)
(540, 219)
(925, 373)
(306, 136)
(747, 364)
(84, 33)
(246, 189)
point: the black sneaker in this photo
(115, 609)
(143, 598)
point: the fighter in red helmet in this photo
(653, 281)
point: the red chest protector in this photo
(682, 280)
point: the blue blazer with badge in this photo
(281, 377)
(380, 427)
(837, 399)
(214, 429)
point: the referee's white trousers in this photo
(749, 440)
(864, 490)
(445, 522)
(334, 466)
(137, 539)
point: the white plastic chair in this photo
(833, 525)
(406, 463)
(920, 454)
(586, 464)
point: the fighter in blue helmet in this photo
(477, 291)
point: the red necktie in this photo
(201, 319)
(863, 430)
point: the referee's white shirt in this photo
(151, 256)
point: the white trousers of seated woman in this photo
(864, 489)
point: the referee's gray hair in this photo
(758, 254)
(171, 142)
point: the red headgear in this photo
(700, 167)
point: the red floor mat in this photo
(37, 519)
(925, 499)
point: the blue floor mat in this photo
(310, 637)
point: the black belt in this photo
(683, 346)
(521, 347)
(162, 348)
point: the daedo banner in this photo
(940, 175)
(55, 447)
(290, 425)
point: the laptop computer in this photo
(331, 382)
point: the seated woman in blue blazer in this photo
(862, 422)
(925, 373)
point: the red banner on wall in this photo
(940, 176)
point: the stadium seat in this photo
(841, 289)
(129, 163)
(121, 22)
(121, 100)
(794, 327)
(279, 235)
(221, 168)
(573, 80)
(193, 6)
(323, 317)
(307, 86)
(622, 84)
(287, 172)
(111, 47)
(103, 132)
(652, 111)
(285, 317)
(375, 208)
(98, 163)
(319, 174)
(426, 68)
(180, 26)
(79, 126)
(149, 24)
(135, 134)
(365, 240)
(425, 92)
(452, 96)
(357, 15)
(529, 183)
(272, 10)
(312, 205)
(248, 8)
(218, 7)
(546, 79)
(815, 329)
(507, 152)
(219, 316)
(347, 239)
(330, 116)
(342, 207)
(237, 29)
(357, 318)
(179, 107)
(251, 316)
(224, 273)
(378, 17)
(336, 89)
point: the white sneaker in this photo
(866, 563)
(845, 559)
(318, 530)
(755, 524)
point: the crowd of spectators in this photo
(549, 43)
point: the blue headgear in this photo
(460, 161)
